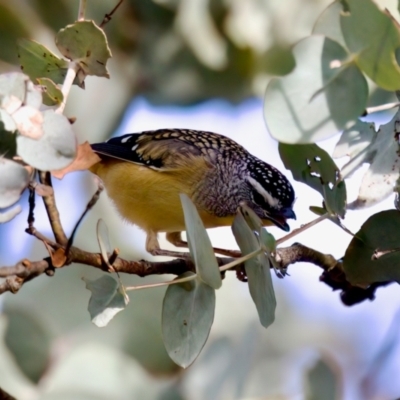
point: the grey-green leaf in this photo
(322, 383)
(322, 95)
(106, 301)
(85, 43)
(14, 178)
(200, 245)
(258, 271)
(187, 317)
(55, 149)
(380, 232)
(313, 166)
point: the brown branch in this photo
(52, 211)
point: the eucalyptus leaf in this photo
(328, 23)
(325, 93)
(381, 150)
(52, 94)
(37, 61)
(107, 299)
(200, 245)
(55, 149)
(187, 317)
(14, 178)
(85, 43)
(313, 166)
(103, 239)
(9, 214)
(381, 232)
(322, 383)
(258, 271)
(373, 37)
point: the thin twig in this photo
(89, 206)
(52, 211)
(383, 107)
(107, 17)
(302, 228)
(66, 87)
(31, 213)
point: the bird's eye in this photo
(258, 198)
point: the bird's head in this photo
(272, 195)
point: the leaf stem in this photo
(66, 87)
(82, 10)
(153, 285)
(302, 228)
(382, 107)
(240, 260)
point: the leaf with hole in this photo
(51, 92)
(200, 245)
(313, 166)
(325, 93)
(187, 317)
(381, 232)
(258, 271)
(107, 299)
(85, 43)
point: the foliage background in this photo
(173, 52)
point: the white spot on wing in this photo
(125, 139)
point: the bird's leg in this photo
(153, 247)
(176, 239)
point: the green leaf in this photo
(85, 43)
(373, 37)
(322, 95)
(258, 271)
(322, 383)
(379, 149)
(200, 245)
(267, 240)
(380, 232)
(52, 94)
(14, 180)
(187, 317)
(55, 149)
(328, 23)
(313, 166)
(37, 61)
(106, 301)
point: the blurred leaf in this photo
(381, 150)
(328, 23)
(322, 383)
(106, 301)
(52, 94)
(29, 122)
(313, 166)
(187, 317)
(84, 159)
(37, 61)
(55, 149)
(258, 271)
(9, 214)
(200, 245)
(12, 379)
(373, 37)
(103, 240)
(32, 355)
(7, 124)
(8, 143)
(278, 60)
(85, 43)
(380, 232)
(267, 240)
(14, 180)
(251, 218)
(323, 94)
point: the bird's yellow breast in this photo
(150, 198)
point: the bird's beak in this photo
(279, 219)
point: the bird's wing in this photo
(163, 149)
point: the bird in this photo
(144, 174)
